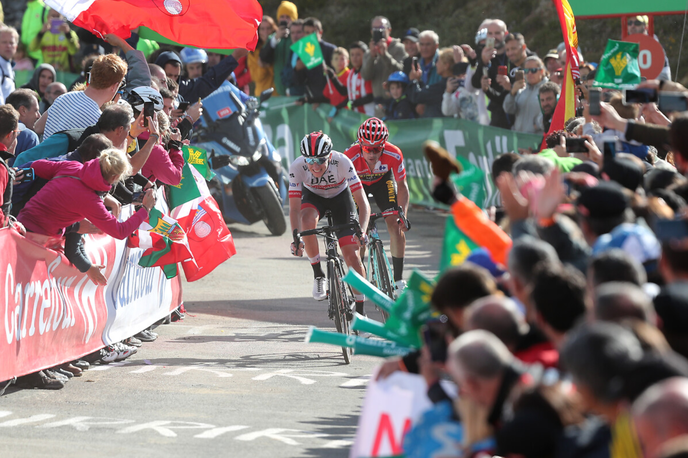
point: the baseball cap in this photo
(606, 200)
(624, 171)
(636, 240)
(411, 34)
(482, 258)
(551, 53)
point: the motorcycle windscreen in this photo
(219, 105)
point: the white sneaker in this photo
(123, 351)
(319, 293)
(399, 288)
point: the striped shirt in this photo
(71, 111)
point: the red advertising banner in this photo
(51, 313)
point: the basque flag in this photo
(221, 24)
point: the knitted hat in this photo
(288, 9)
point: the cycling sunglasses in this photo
(372, 149)
(316, 160)
(531, 70)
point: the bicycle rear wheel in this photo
(339, 305)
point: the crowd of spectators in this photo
(71, 159)
(575, 347)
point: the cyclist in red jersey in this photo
(320, 180)
(380, 166)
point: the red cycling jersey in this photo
(391, 159)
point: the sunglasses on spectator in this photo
(316, 160)
(372, 149)
(632, 22)
(531, 70)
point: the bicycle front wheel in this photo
(383, 279)
(339, 305)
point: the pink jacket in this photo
(164, 166)
(64, 201)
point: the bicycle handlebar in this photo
(329, 229)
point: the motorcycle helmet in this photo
(142, 94)
(398, 77)
(373, 132)
(193, 55)
(316, 144)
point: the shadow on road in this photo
(340, 427)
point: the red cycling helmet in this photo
(373, 132)
(316, 144)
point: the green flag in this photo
(308, 50)
(198, 157)
(186, 190)
(470, 181)
(618, 67)
(456, 246)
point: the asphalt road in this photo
(234, 378)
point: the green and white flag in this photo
(186, 190)
(618, 67)
(308, 50)
(198, 157)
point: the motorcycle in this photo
(250, 184)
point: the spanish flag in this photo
(566, 107)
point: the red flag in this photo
(566, 107)
(209, 240)
(222, 24)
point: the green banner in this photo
(22, 77)
(148, 34)
(308, 50)
(633, 7)
(618, 67)
(285, 124)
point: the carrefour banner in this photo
(286, 123)
(51, 313)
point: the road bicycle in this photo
(341, 298)
(378, 269)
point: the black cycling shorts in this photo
(384, 192)
(341, 206)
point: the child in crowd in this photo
(57, 42)
(21, 59)
(340, 63)
(400, 107)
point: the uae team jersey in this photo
(340, 173)
(391, 159)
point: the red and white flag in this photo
(223, 24)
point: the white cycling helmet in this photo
(193, 55)
(142, 94)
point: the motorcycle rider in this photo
(319, 180)
(380, 166)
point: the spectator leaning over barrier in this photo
(262, 74)
(549, 97)
(430, 96)
(56, 41)
(359, 90)
(485, 76)
(9, 119)
(384, 57)
(82, 108)
(412, 48)
(8, 47)
(26, 104)
(523, 100)
(166, 160)
(74, 193)
(276, 50)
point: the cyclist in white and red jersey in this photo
(380, 166)
(321, 180)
